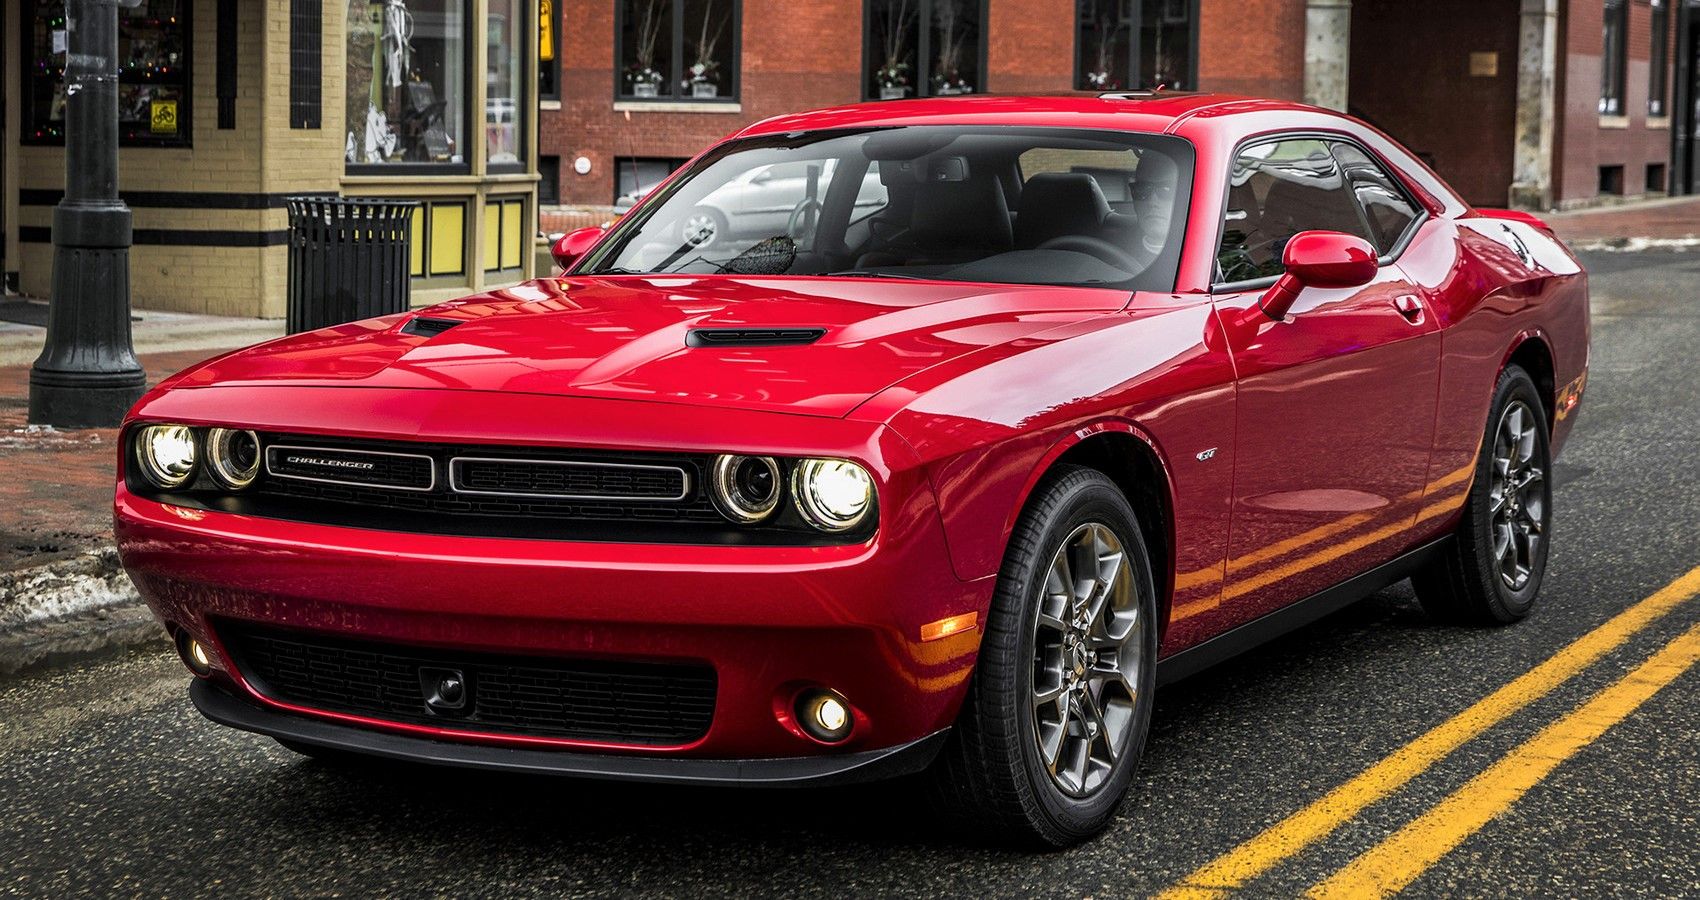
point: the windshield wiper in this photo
(868, 273)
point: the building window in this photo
(305, 28)
(677, 49)
(1655, 178)
(153, 73)
(924, 48)
(548, 59)
(548, 180)
(1659, 60)
(634, 177)
(1108, 58)
(1614, 57)
(505, 33)
(407, 83)
(1611, 180)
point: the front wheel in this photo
(1057, 713)
(1493, 568)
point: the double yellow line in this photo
(1398, 860)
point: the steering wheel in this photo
(1097, 247)
(810, 208)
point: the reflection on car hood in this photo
(625, 338)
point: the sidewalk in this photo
(61, 592)
(1670, 223)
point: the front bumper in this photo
(226, 708)
(770, 620)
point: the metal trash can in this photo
(348, 259)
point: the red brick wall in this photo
(1253, 47)
(1463, 124)
(1030, 46)
(1589, 142)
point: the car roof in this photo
(1153, 112)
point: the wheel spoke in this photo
(1097, 730)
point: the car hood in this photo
(626, 338)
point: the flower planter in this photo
(704, 89)
(897, 92)
(645, 89)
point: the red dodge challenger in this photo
(1019, 408)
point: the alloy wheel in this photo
(1089, 647)
(1517, 495)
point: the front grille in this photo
(358, 468)
(567, 479)
(657, 704)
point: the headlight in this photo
(233, 455)
(745, 488)
(166, 454)
(833, 494)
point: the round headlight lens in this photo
(745, 488)
(166, 454)
(233, 455)
(833, 494)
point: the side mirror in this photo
(1319, 259)
(573, 245)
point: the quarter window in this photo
(1386, 208)
(1275, 191)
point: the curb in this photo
(71, 610)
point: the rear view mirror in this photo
(572, 246)
(1319, 259)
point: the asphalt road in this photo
(111, 784)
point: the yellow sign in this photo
(1484, 65)
(546, 30)
(163, 117)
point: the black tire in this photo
(1468, 584)
(991, 776)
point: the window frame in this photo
(1658, 86)
(1614, 75)
(474, 124)
(677, 47)
(1424, 214)
(923, 51)
(1133, 50)
(185, 104)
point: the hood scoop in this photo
(752, 337)
(425, 326)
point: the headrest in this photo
(1057, 203)
(969, 213)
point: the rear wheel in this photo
(1494, 567)
(1057, 713)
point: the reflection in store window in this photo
(153, 73)
(504, 46)
(406, 81)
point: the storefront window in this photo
(1108, 58)
(153, 73)
(678, 50)
(407, 82)
(504, 55)
(924, 48)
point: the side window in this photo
(1275, 191)
(1386, 207)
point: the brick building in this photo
(226, 107)
(1537, 103)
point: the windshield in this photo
(952, 203)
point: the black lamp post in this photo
(87, 376)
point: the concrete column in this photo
(1537, 105)
(1328, 52)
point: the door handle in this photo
(1410, 307)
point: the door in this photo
(1336, 404)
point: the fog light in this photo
(824, 715)
(195, 654)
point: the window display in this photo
(407, 78)
(504, 54)
(1108, 58)
(153, 73)
(678, 49)
(924, 48)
